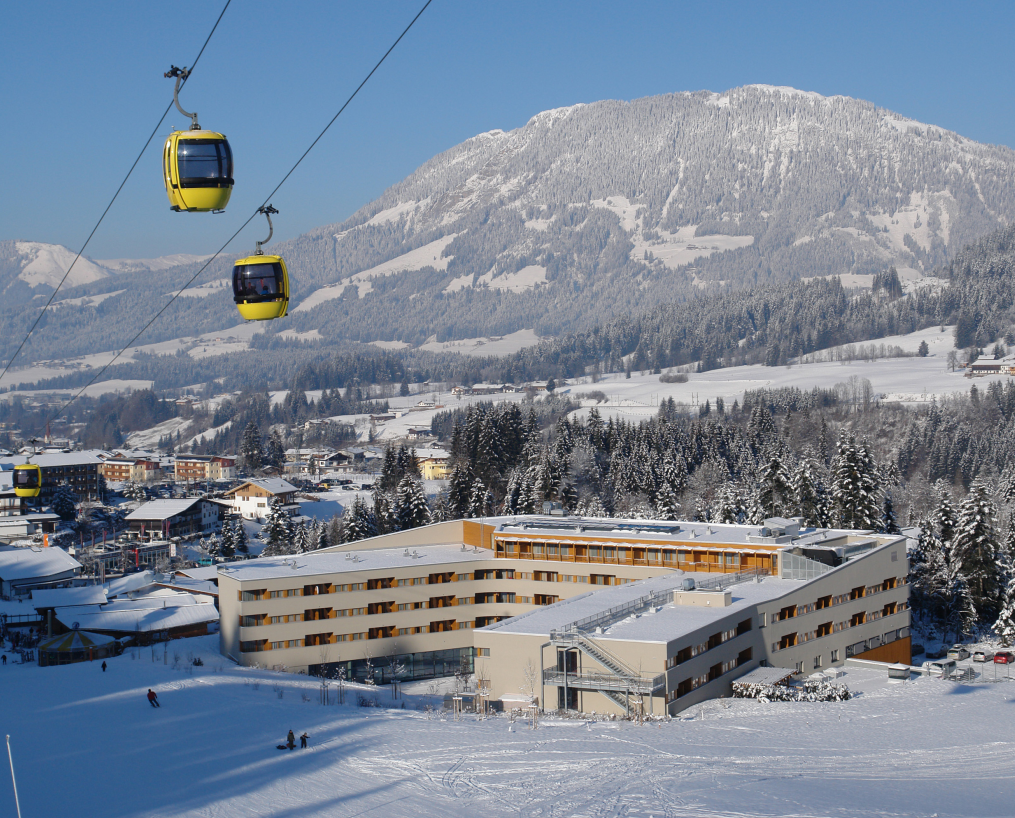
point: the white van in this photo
(940, 667)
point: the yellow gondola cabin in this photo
(260, 282)
(197, 165)
(27, 480)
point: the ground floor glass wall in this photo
(406, 667)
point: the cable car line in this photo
(111, 201)
(264, 205)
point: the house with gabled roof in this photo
(254, 498)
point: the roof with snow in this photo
(26, 563)
(55, 459)
(303, 565)
(662, 623)
(139, 619)
(62, 597)
(766, 676)
(162, 509)
(273, 485)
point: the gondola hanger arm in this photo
(181, 75)
(267, 210)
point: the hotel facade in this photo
(583, 614)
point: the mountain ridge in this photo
(612, 207)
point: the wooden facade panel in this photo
(901, 651)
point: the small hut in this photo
(76, 646)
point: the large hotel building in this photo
(584, 614)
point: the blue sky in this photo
(82, 88)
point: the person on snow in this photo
(303, 741)
(290, 740)
(153, 700)
(103, 665)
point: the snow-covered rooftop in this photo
(24, 563)
(162, 509)
(62, 597)
(305, 565)
(274, 485)
(137, 619)
(667, 622)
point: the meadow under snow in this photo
(87, 744)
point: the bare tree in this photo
(530, 675)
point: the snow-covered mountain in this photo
(599, 209)
(29, 267)
(594, 209)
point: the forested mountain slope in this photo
(586, 213)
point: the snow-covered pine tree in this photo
(855, 485)
(240, 537)
(64, 502)
(226, 548)
(594, 507)
(227, 544)
(889, 525)
(510, 505)
(1004, 626)
(358, 522)
(773, 486)
(459, 492)
(666, 505)
(804, 493)
(411, 509)
(477, 500)
(945, 518)
(728, 508)
(251, 452)
(276, 531)
(321, 540)
(300, 539)
(675, 473)
(439, 510)
(974, 550)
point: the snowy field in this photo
(87, 744)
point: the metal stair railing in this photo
(596, 651)
(604, 681)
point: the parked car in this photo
(1004, 657)
(935, 654)
(958, 653)
(917, 650)
(983, 656)
(941, 667)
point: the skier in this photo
(290, 740)
(103, 665)
(153, 700)
(303, 741)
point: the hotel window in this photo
(482, 651)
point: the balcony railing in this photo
(605, 681)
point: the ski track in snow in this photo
(903, 750)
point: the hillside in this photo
(583, 214)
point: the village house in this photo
(253, 499)
(201, 468)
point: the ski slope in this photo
(87, 744)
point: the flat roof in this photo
(662, 624)
(55, 459)
(680, 532)
(767, 676)
(341, 562)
